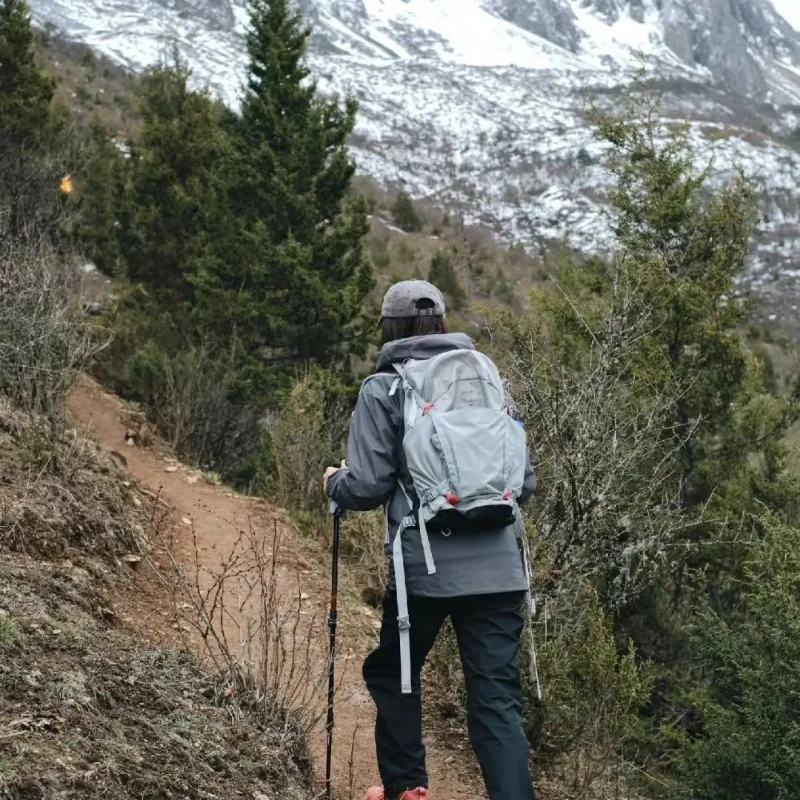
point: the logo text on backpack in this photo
(469, 395)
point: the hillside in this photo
(480, 104)
(92, 702)
(90, 84)
(94, 87)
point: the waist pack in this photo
(466, 455)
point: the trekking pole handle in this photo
(336, 510)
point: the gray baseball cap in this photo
(401, 300)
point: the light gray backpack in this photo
(466, 455)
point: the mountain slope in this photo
(479, 103)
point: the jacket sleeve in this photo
(529, 484)
(370, 477)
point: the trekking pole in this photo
(337, 514)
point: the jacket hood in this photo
(420, 348)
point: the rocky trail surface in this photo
(215, 515)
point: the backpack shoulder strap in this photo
(375, 375)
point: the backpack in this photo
(466, 455)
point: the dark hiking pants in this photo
(488, 629)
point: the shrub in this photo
(363, 549)
(45, 337)
(10, 634)
(591, 693)
(443, 275)
(194, 399)
(306, 436)
(608, 504)
(751, 744)
(406, 255)
(378, 249)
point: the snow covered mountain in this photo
(479, 102)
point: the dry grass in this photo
(252, 627)
(63, 498)
(86, 709)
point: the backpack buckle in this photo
(404, 623)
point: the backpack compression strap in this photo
(403, 619)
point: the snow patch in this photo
(789, 10)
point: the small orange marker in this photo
(66, 184)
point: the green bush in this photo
(750, 747)
(378, 249)
(10, 634)
(195, 399)
(192, 390)
(592, 693)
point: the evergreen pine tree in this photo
(750, 749)
(305, 274)
(32, 145)
(725, 430)
(25, 92)
(404, 214)
(690, 250)
(175, 223)
(100, 185)
(442, 274)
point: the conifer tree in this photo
(25, 93)
(690, 250)
(306, 276)
(404, 213)
(100, 187)
(443, 275)
(32, 146)
(174, 221)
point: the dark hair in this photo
(405, 327)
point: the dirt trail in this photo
(453, 774)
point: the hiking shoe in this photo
(377, 793)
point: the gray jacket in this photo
(466, 564)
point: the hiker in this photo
(477, 578)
